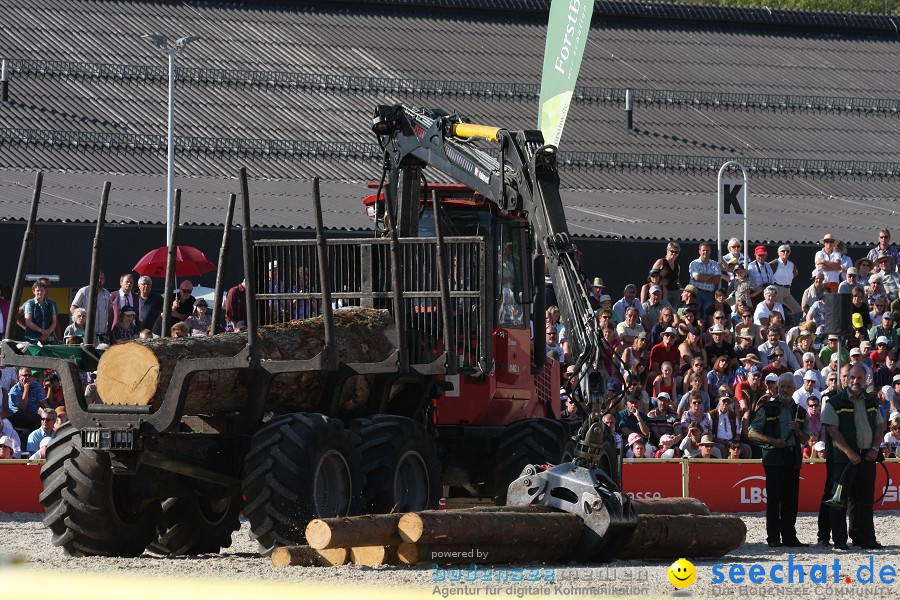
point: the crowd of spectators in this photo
(691, 358)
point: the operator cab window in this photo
(511, 312)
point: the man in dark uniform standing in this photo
(855, 428)
(779, 427)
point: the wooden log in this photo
(295, 556)
(491, 527)
(138, 372)
(334, 557)
(684, 536)
(671, 506)
(458, 554)
(344, 532)
(373, 556)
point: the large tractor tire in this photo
(400, 463)
(526, 442)
(301, 466)
(197, 525)
(89, 509)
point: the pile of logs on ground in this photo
(667, 528)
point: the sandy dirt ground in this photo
(23, 535)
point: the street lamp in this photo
(171, 50)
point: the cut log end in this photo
(296, 556)
(130, 374)
(373, 556)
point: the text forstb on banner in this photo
(567, 31)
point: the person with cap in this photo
(808, 390)
(880, 354)
(670, 273)
(717, 345)
(784, 273)
(664, 420)
(688, 300)
(865, 346)
(886, 330)
(8, 431)
(125, 328)
(856, 359)
(740, 289)
(851, 283)
(652, 279)
(830, 347)
(706, 276)
(830, 260)
(667, 447)
(638, 447)
(773, 341)
(653, 306)
(606, 304)
(780, 428)
(760, 271)
(855, 430)
(883, 246)
(809, 364)
(629, 300)
(630, 327)
(596, 293)
(665, 351)
(46, 430)
(744, 345)
(7, 450)
(708, 448)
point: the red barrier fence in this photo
(727, 486)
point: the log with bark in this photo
(373, 556)
(304, 556)
(138, 372)
(684, 536)
(491, 527)
(671, 506)
(343, 532)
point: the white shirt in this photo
(784, 274)
(763, 311)
(801, 396)
(723, 431)
(800, 373)
(9, 430)
(830, 276)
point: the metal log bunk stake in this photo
(249, 271)
(443, 281)
(223, 259)
(25, 252)
(324, 279)
(169, 286)
(90, 327)
(396, 282)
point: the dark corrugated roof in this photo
(288, 92)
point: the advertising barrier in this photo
(726, 486)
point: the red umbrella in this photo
(189, 262)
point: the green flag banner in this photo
(567, 31)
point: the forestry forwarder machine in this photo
(467, 399)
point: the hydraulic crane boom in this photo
(523, 180)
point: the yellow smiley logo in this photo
(682, 573)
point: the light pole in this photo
(171, 51)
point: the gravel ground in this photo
(24, 535)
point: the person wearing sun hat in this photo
(830, 260)
(890, 281)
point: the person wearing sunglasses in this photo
(183, 304)
(670, 273)
(785, 272)
(46, 430)
(892, 437)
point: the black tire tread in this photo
(381, 439)
(526, 442)
(80, 510)
(278, 471)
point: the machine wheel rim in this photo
(332, 485)
(411, 482)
